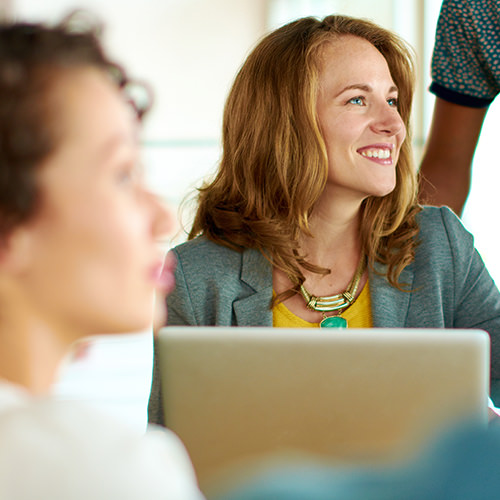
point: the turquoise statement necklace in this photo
(335, 303)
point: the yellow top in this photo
(359, 315)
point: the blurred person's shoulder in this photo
(62, 449)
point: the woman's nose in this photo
(163, 217)
(388, 121)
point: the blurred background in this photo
(189, 51)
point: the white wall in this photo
(188, 49)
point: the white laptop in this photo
(238, 394)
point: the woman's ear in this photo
(17, 250)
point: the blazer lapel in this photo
(389, 305)
(254, 310)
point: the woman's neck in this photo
(335, 245)
(335, 234)
(30, 352)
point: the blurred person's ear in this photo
(17, 250)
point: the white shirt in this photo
(58, 450)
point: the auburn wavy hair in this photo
(274, 164)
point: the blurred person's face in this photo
(358, 114)
(91, 260)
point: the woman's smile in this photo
(378, 153)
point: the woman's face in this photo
(91, 258)
(359, 119)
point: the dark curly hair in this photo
(32, 58)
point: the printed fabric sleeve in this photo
(466, 57)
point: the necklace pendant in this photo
(333, 322)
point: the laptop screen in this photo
(236, 394)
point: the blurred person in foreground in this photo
(78, 257)
(462, 465)
(312, 219)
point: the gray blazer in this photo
(450, 288)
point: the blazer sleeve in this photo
(179, 312)
(155, 403)
(477, 299)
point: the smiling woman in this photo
(312, 218)
(358, 115)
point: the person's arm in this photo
(446, 166)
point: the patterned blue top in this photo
(466, 58)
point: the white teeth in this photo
(383, 154)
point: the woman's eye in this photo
(126, 175)
(393, 101)
(130, 172)
(356, 100)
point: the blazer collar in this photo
(256, 272)
(389, 305)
